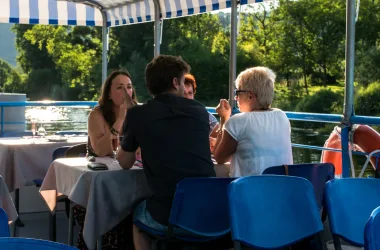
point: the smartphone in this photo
(96, 166)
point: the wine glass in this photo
(114, 145)
(41, 131)
(33, 128)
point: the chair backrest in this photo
(60, 152)
(350, 202)
(4, 226)
(79, 150)
(71, 133)
(271, 211)
(317, 174)
(372, 231)
(200, 206)
(31, 244)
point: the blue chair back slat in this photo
(71, 133)
(372, 231)
(60, 152)
(201, 206)
(31, 244)
(272, 211)
(317, 174)
(4, 226)
(350, 202)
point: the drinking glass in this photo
(115, 146)
(33, 128)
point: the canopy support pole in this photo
(157, 28)
(105, 46)
(348, 108)
(233, 40)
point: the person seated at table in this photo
(189, 93)
(169, 154)
(258, 137)
(104, 123)
(106, 120)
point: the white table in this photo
(6, 202)
(108, 196)
(22, 161)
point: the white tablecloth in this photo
(6, 201)
(109, 196)
(22, 161)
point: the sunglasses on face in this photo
(238, 91)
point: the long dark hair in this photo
(105, 103)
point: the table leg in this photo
(18, 222)
(71, 224)
(52, 227)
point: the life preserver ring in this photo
(365, 139)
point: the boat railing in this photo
(295, 116)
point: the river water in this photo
(75, 118)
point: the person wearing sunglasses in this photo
(258, 137)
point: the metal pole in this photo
(157, 28)
(233, 53)
(105, 46)
(348, 107)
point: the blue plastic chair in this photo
(317, 174)
(4, 226)
(372, 231)
(350, 202)
(200, 206)
(58, 153)
(271, 211)
(31, 244)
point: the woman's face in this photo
(119, 84)
(243, 99)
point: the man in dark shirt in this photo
(172, 132)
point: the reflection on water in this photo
(75, 118)
(58, 118)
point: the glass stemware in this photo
(115, 146)
(33, 129)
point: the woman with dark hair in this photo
(106, 120)
(105, 123)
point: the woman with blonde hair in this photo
(258, 137)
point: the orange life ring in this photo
(365, 139)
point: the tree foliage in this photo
(302, 41)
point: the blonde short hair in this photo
(259, 80)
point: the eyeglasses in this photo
(237, 91)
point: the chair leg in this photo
(99, 243)
(337, 245)
(52, 227)
(322, 241)
(71, 225)
(18, 222)
(237, 245)
(155, 244)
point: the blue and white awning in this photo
(49, 12)
(119, 12)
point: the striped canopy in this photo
(119, 12)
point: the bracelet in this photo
(114, 131)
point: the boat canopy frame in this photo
(111, 13)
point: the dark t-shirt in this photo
(172, 133)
